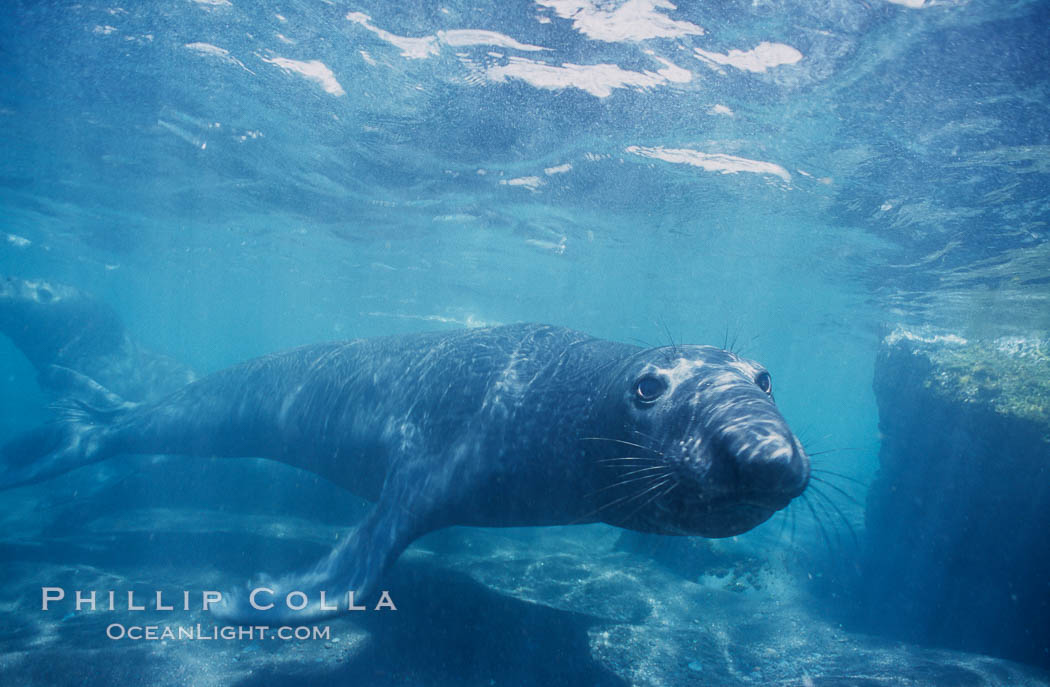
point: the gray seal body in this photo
(506, 426)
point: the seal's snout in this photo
(780, 474)
(776, 472)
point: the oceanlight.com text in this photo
(199, 632)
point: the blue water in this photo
(236, 178)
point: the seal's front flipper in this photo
(355, 564)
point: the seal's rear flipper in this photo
(85, 390)
(76, 437)
(355, 565)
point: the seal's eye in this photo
(765, 382)
(649, 388)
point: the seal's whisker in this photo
(621, 441)
(783, 523)
(816, 518)
(803, 432)
(828, 518)
(643, 493)
(598, 369)
(840, 490)
(627, 481)
(659, 494)
(840, 476)
(820, 518)
(648, 469)
(832, 450)
(627, 461)
(627, 497)
(787, 522)
(842, 516)
(667, 330)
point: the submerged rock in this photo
(958, 544)
(539, 606)
(699, 559)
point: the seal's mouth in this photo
(737, 492)
(763, 504)
(730, 517)
(769, 503)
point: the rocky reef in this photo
(958, 543)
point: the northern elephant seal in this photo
(507, 426)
